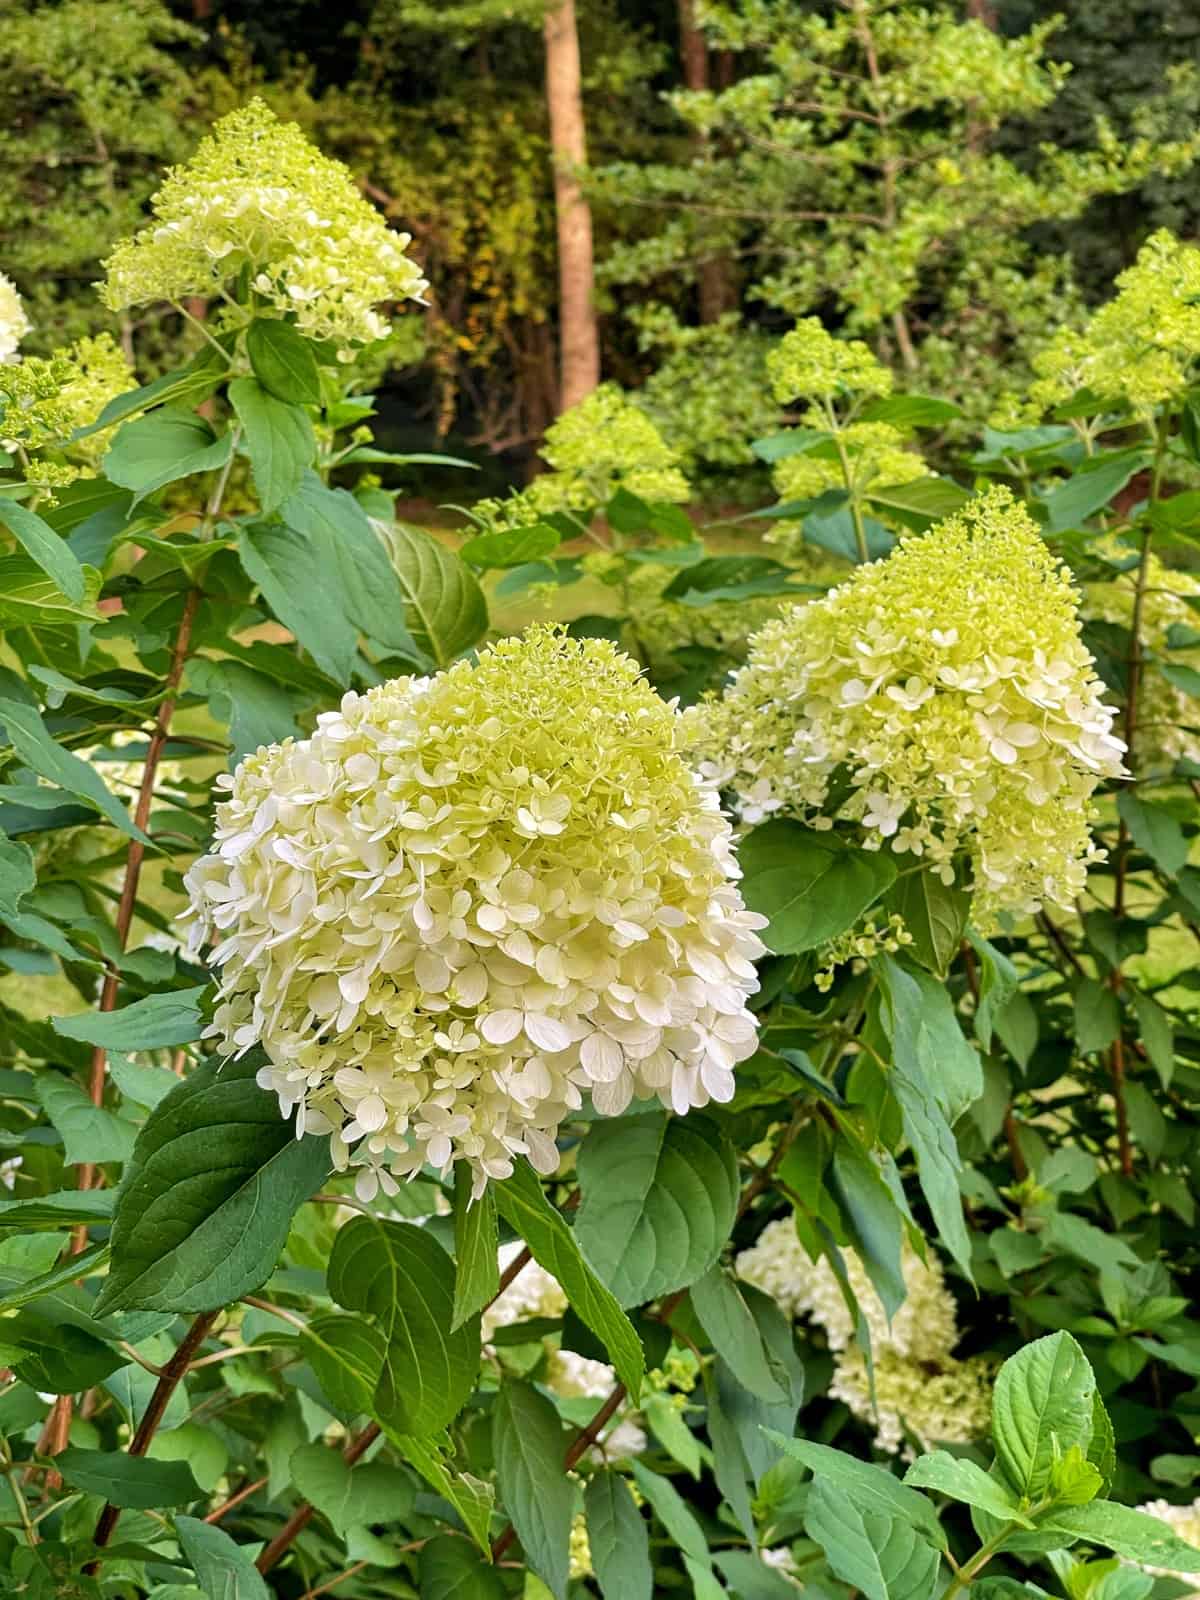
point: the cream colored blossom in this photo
(579, 1549)
(947, 1402)
(14, 324)
(1184, 1521)
(950, 682)
(468, 901)
(534, 1292)
(1142, 345)
(259, 203)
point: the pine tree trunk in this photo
(714, 290)
(579, 339)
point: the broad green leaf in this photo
(471, 1497)
(278, 438)
(145, 1086)
(69, 1270)
(350, 1497)
(934, 913)
(224, 1569)
(755, 1421)
(871, 1488)
(734, 1335)
(672, 1511)
(476, 1242)
(881, 1555)
(1091, 488)
(906, 411)
(875, 1220)
(29, 599)
(193, 382)
(60, 1210)
(283, 361)
(158, 1021)
(1097, 1016)
(45, 547)
(352, 562)
(732, 578)
(17, 875)
(528, 1445)
(791, 442)
(1041, 1406)
(1157, 1033)
(204, 1451)
(809, 885)
(36, 747)
(162, 447)
(60, 1358)
(553, 1245)
(750, 1578)
(921, 502)
(1131, 1534)
(208, 1197)
(347, 1355)
(964, 1480)
(513, 548)
(134, 1482)
(450, 1569)
(89, 1132)
(399, 1274)
(659, 1198)
(447, 613)
(1154, 830)
(280, 562)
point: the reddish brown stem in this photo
(172, 1377)
(235, 1500)
(1117, 1068)
(302, 1516)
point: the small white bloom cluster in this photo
(950, 682)
(469, 900)
(1183, 1521)
(534, 1292)
(14, 324)
(921, 1389)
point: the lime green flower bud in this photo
(811, 364)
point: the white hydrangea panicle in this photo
(258, 201)
(14, 324)
(1183, 1521)
(947, 1402)
(951, 683)
(534, 1292)
(470, 900)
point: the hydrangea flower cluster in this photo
(43, 400)
(951, 684)
(921, 1388)
(14, 324)
(811, 363)
(876, 455)
(1184, 1521)
(470, 899)
(258, 199)
(603, 444)
(1142, 345)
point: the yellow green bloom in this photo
(43, 400)
(260, 208)
(810, 363)
(470, 899)
(950, 682)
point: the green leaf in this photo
(472, 1498)
(810, 885)
(133, 1482)
(278, 438)
(672, 1511)
(280, 563)
(347, 1356)
(659, 1198)
(1158, 1035)
(447, 613)
(29, 599)
(906, 411)
(17, 875)
(47, 548)
(89, 1132)
(964, 1480)
(1041, 1406)
(349, 1497)
(283, 361)
(161, 448)
(224, 1569)
(871, 1488)
(880, 1555)
(734, 1335)
(1097, 1016)
(1131, 1534)
(207, 1200)
(62, 1210)
(401, 1276)
(158, 1021)
(1091, 487)
(619, 1542)
(921, 502)
(1154, 830)
(791, 442)
(193, 382)
(449, 1569)
(732, 578)
(476, 1242)
(934, 913)
(527, 1441)
(512, 548)
(61, 1358)
(875, 1220)
(352, 562)
(553, 1245)
(32, 741)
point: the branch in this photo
(303, 1514)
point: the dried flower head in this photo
(470, 899)
(260, 204)
(950, 682)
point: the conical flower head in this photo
(469, 900)
(950, 682)
(259, 205)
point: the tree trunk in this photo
(579, 339)
(714, 292)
